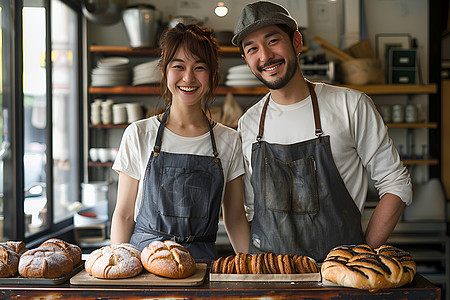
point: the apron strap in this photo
(315, 105)
(316, 113)
(157, 147)
(211, 238)
(213, 140)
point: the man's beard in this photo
(281, 82)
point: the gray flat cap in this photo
(260, 14)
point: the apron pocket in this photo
(184, 193)
(291, 187)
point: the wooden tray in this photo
(144, 279)
(18, 280)
(266, 277)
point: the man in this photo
(307, 150)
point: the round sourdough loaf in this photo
(73, 251)
(9, 261)
(168, 259)
(44, 262)
(17, 246)
(115, 261)
(362, 267)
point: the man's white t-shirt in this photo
(358, 136)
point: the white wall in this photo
(382, 16)
(203, 10)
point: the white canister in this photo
(134, 112)
(95, 113)
(119, 112)
(386, 113)
(398, 113)
(410, 113)
(94, 192)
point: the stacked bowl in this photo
(146, 73)
(241, 75)
(111, 71)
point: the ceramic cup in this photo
(93, 154)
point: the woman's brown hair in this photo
(197, 40)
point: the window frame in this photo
(13, 55)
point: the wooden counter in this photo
(420, 288)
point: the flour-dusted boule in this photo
(115, 261)
(45, 262)
(168, 259)
(9, 261)
(73, 251)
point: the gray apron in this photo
(301, 203)
(181, 199)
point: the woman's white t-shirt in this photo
(139, 138)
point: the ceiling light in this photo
(221, 10)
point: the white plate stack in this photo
(111, 71)
(241, 75)
(147, 73)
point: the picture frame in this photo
(386, 41)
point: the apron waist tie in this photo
(211, 238)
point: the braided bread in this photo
(264, 263)
(168, 259)
(115, 261)
(362, 267)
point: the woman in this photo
(177, 169)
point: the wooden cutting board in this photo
(143, 279)
(265, 277)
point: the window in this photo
(44, 116)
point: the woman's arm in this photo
(122, 225)
(238, 229)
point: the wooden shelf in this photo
(388, 89)
(109, 126)
(100, 164)
(223, 90)
(129, 51)
(415, 162)
(390, 125)
(410, 162)
(412, 125)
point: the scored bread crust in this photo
(168, 259)
(121, 260)
(361, 267)
(9, 261)
(72, 250)
(264, 263)
(44, 262)
(17, 246)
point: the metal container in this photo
(142, 25)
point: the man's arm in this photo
(383, 220)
